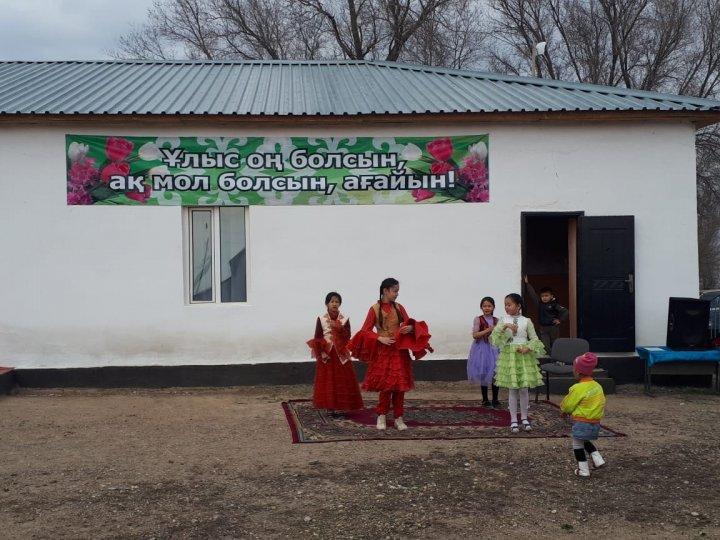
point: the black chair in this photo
(564, 351)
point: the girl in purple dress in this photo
(482, 357)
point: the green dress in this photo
(515, 369)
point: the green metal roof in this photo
(294, 88)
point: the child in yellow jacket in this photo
(586, 403)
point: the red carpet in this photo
(441, 420)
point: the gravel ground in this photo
(219, 463)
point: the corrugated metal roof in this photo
(328, 88)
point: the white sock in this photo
(513, 403)
(524, 402)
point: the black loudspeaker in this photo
(688, 324)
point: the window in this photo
(216, 255)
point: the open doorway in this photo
(589, 263)
(549, 259)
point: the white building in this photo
(592, 190)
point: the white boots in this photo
(597, 459)
(382, 423)
(584, 467)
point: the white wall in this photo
(94, 286)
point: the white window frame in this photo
(215, 235)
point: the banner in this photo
(201, 171)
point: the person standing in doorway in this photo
(550, 314)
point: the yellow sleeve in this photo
(572, 400)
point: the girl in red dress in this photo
(336, 387)
(389, 369)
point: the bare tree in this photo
(144, 43)
(700, 74)
(187, 25)
(189, 22)
(663, 43)
(354, 25)
(451, 37)
(404, 18)
(307, 29)
(517, 26)
(632, 43)
(216, 29)
(253, 29)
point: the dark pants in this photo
(548, 335)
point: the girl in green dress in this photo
(517, 365)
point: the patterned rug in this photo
(443, 420)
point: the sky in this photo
(65, 29)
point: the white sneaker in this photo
(526, 425)
(583, 469)
(514, 427)
(400, 424)
(597, 459)
(381, 422)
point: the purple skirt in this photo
(481, 363)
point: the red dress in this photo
(389, 367)
(336, 386)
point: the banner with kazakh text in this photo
(190, 171)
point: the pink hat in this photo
(586, 363)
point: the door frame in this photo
(572, 258)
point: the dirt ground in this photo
(219, 463)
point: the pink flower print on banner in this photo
(474, 172)
(83, 172)
(120, 169)
(441, 167)
(140, 197)
(118, 149)
(422, 194)
(440, 149)
(478, 194)
(79, 196)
